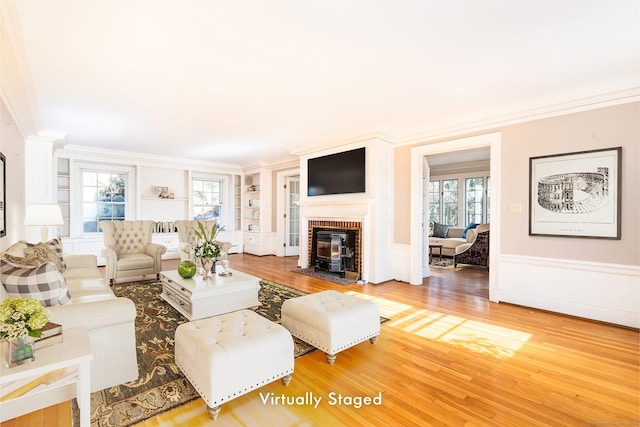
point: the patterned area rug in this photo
(445, 263)
(161, 386)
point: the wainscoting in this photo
(599, 291)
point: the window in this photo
(434, 201)
(207, 199)
(103, 198)
(474, 200)
(450, 202)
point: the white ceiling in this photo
(247, 81)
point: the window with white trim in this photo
(207, 199)
(104, 197)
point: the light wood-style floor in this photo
(447, 357)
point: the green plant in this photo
(207, 246)
(20, 317)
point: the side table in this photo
(55, 367)
(433, 246)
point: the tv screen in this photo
(339, 173)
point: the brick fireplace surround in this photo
(338, 226)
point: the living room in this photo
(589, 278)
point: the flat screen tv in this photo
(339, 173)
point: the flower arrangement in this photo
(21, 317)
(207, 246)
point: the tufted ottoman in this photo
(232, 354)
(331, 321)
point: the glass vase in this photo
(20, 350)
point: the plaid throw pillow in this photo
(44, 283)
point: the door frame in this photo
(417, 243)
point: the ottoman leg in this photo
(213, 412)
(374, 340)
(330, 358)
(286, 380)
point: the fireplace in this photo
(335, 248)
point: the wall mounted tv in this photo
(339, 173)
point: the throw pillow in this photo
(440, 230)
(22, 262)
(469, 227)
(44, 283)
(50, 251)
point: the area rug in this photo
(445, 263)
(324, 276)
(161, 386)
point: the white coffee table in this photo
(53, 370)
(197, 297)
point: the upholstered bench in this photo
(232, 354)
(331, 321)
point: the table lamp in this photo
(44, 215)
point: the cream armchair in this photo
(129, 250)
(187, 238)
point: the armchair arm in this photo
(155, 250)
(185, 246)
(94, 314)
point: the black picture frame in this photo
(3, 196)
(576, 194)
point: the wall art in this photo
(576, 194)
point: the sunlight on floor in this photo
(476, 336)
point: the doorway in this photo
(288, 213)
(419, 178)
(292, 216)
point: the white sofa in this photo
(109, 319)
(452, 240)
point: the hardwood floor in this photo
(447, 357)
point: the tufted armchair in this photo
(128, 249)
(477, 252)
(187, 238)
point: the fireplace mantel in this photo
(337, 208)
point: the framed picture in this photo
(3, 197)
(576, 194)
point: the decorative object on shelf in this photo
(163, 193)
(207, 249)
(186, 269)
(21, 320)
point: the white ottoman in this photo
(232, 354)
(331, 321)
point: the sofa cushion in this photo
(440, 230)
(43, 283)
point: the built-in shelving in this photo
(63, 187)
(256, 217)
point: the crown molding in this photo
(523, 114)
(103, 155)
(309, 149)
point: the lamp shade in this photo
(43, 214)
